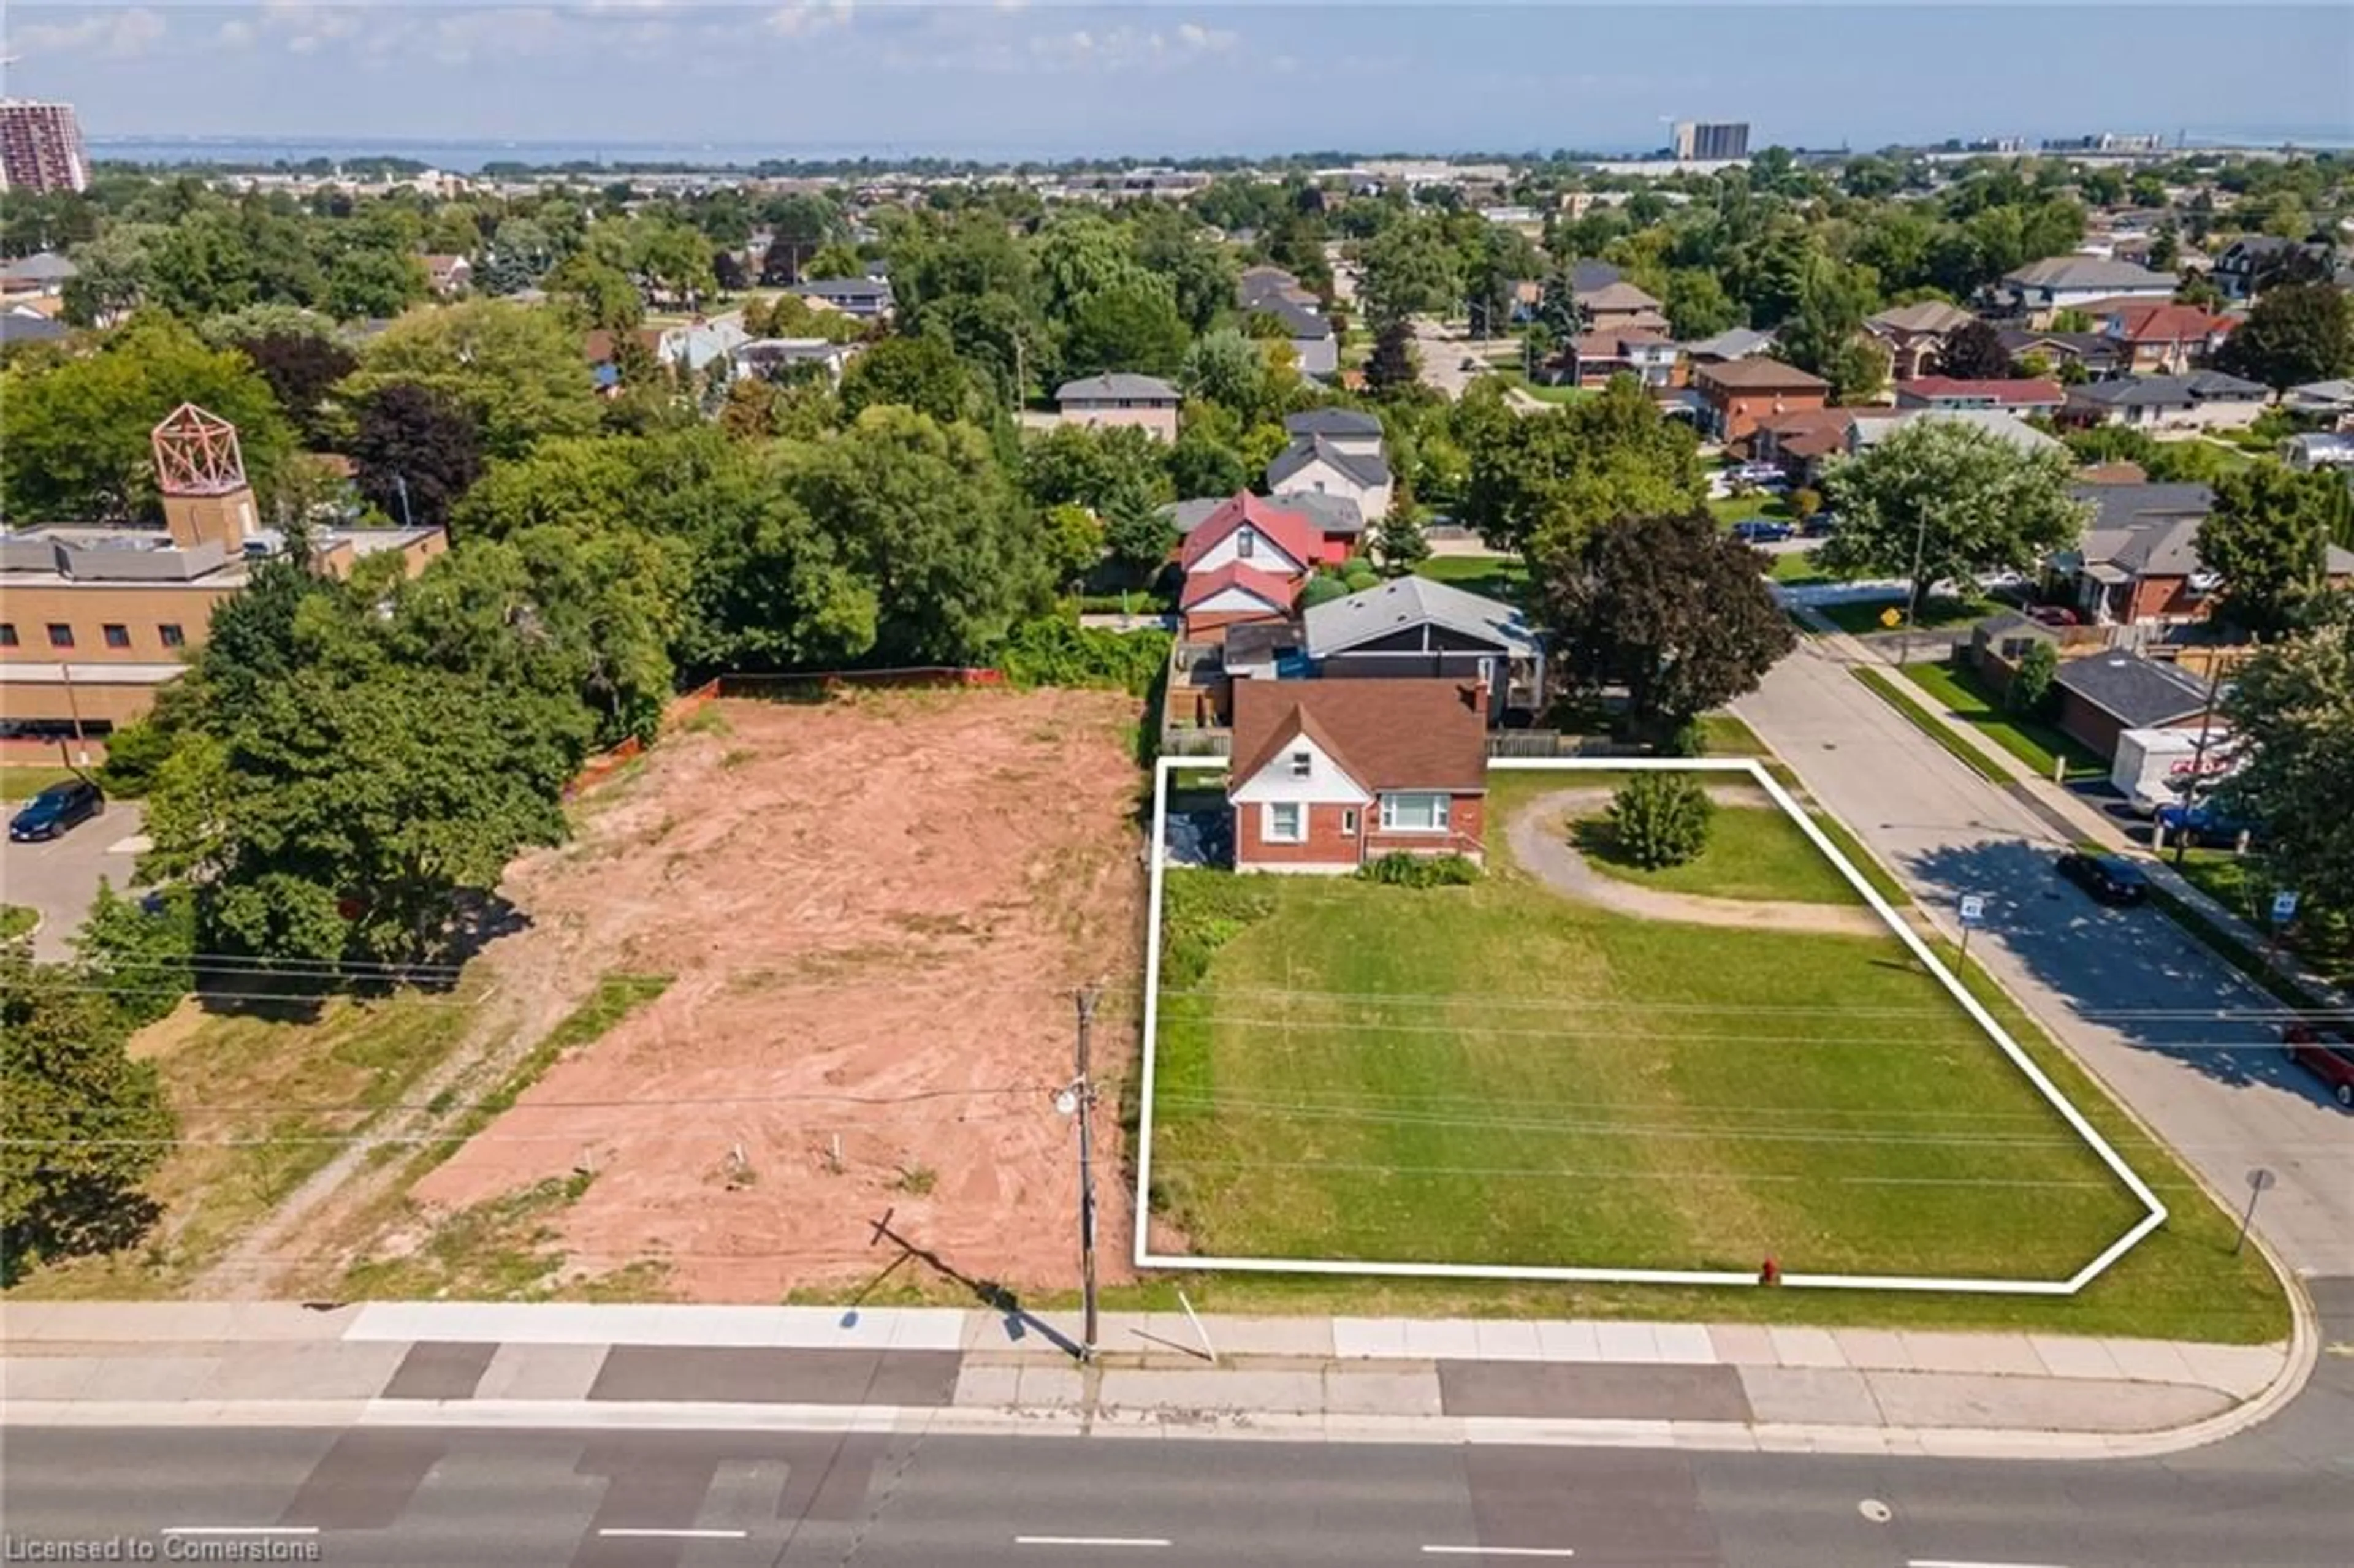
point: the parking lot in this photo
(60, 877)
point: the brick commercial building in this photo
(99, 616)
(41, 148)
(1330, 774)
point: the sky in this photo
(1029, 77)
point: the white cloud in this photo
(1126, 48)
(805, 19)
(234, 35)
(117, 33)
(1212, 40)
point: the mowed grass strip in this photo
(1494, 1075)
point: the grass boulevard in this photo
(1499, 1074)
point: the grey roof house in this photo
(1121, 398)
(1322, 465)
(2062, 282)
(1312, 339)
(2104, 694)
(1412, 626)
(2206, 399)
(854, 296)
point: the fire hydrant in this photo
(1770, 1273)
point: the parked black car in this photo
(2109, 878)
(1761, 531)
(55, 809)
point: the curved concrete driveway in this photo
(1539, 833)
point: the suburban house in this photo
(448, 274)
(1733, 343)
(2041, 290)
(1873, 425)
(2248, 263)
(1117, 397)
(2321, 400)
(1258, 284)
(42, 276)
(2203, 400)
(1309, 331)
(1915, 335)
(1247, 560)
(1327, 775)
(1620, 306)
(18, 325)
(2013, 396)
(1413, 627)
(2104, 694)
(2165, 339)
(1348, 465)
(1649, 356)
(1801, 441)
(2101, 357)
(1589, 276)
(1737, 396)
(775, 357)
(1351, 429)
(2138, 563)
(2318, 449)
(868, 299)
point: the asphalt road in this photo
(2276, 1497)
(2174, 1031)
(60, 877)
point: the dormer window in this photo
(1302, 764)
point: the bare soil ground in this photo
(875, 908)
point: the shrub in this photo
(1401, 869)
(2029, 692)
(140, 951)
(1202, 911)
(1660, 819)
(1058, 653)
(1805, 504)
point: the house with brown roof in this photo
(1620, 305)
(1915, 334)
(1649, 356)
(2164, 339)
(1329, 775)
(448, 274)
(1740, 395)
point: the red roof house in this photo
(2165, 339)
(1330, 774)
(1248, 561)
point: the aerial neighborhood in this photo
(1728, 722)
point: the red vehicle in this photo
(2051, 614)
(2326, 1053)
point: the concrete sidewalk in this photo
(1715, 1385)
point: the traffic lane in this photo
(2176, 1033)
(620, 1500)
(59, 876)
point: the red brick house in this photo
(1740, 395)
(2158, 339)
(1330, 774)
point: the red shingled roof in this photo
(2164, 324)
(2016, 392)
(1290, 531)
(1279, 591)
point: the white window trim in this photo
(1442, 823)
(1349, 822)
(1272, 834)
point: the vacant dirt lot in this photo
(875, 908)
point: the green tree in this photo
(919, 372)
(1074, 463)
(1669, 608)
(2029, 692)
(2295, 334)
(1226, 367)
(1393, 364)
(1201, 464)
(596, 293)
(366, 282)
(1138, 532)
(142, 952)
(519, 372)
(1659, 820)
(1697, 304)
(1410, 269)
(2268, 537)
(1399, 542)
(1974, 351)
(1939, 499)
(81, 1123)
(1540, 483)
(415, 453)
(77, 445)
(924, 513)
(1132, 324)
(2291, 712)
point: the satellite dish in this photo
(1066, 1101)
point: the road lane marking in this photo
(1089, 1541)
(1500, 1552)
(240, 1530)
(657, 1532)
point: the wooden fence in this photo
(1524, 743)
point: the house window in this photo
(61, 634)
(172, 634)
(1287, 822)
(1302, 764)
(1348, 822)
(1414, 812)
(1246, 545)
(116, 636)
(8, 634)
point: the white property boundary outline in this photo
(2155, 1213)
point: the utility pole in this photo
(1080, 1099)
(2198, 761)
(1912, 593)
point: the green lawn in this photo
(1504, 577)
(1922, 719)
(1547, 394)
(23, 780)
(1753, 851)
(1495, 1075)
(17, 920)
(1796, 568)
(1862, 618)
(1731, 509)
(1963, 693)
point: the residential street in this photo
(2180, 1037)
(60, 876)
(891, 1496)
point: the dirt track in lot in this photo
(875, 909)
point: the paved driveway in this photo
(60, 877)
(2176, 1033)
